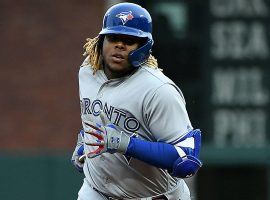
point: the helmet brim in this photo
(124, 30)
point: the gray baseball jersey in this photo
(146, 102)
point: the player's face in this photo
(116, 49)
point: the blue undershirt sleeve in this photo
(158, 154)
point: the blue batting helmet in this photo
(130, 19)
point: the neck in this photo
(110, 74)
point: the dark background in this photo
(217, 51)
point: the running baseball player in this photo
(137, 141)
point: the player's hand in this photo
(78, 154)
(78, 160)
(108, 139)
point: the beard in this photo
(116, 72)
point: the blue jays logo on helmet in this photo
(125, 16)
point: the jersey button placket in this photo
(100, 92)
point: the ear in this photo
(140, 55)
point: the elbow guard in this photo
(188, 149)
(186, 167)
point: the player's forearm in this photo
(158, 154)
(180, 163)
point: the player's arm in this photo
(168, 119)
(77, 158)
(180, 159)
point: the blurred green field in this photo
(38, 177)
(47, 176)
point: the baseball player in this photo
(137, 141)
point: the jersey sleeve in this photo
(166, 114)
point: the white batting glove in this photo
(108, 139)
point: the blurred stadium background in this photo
(217, 51)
